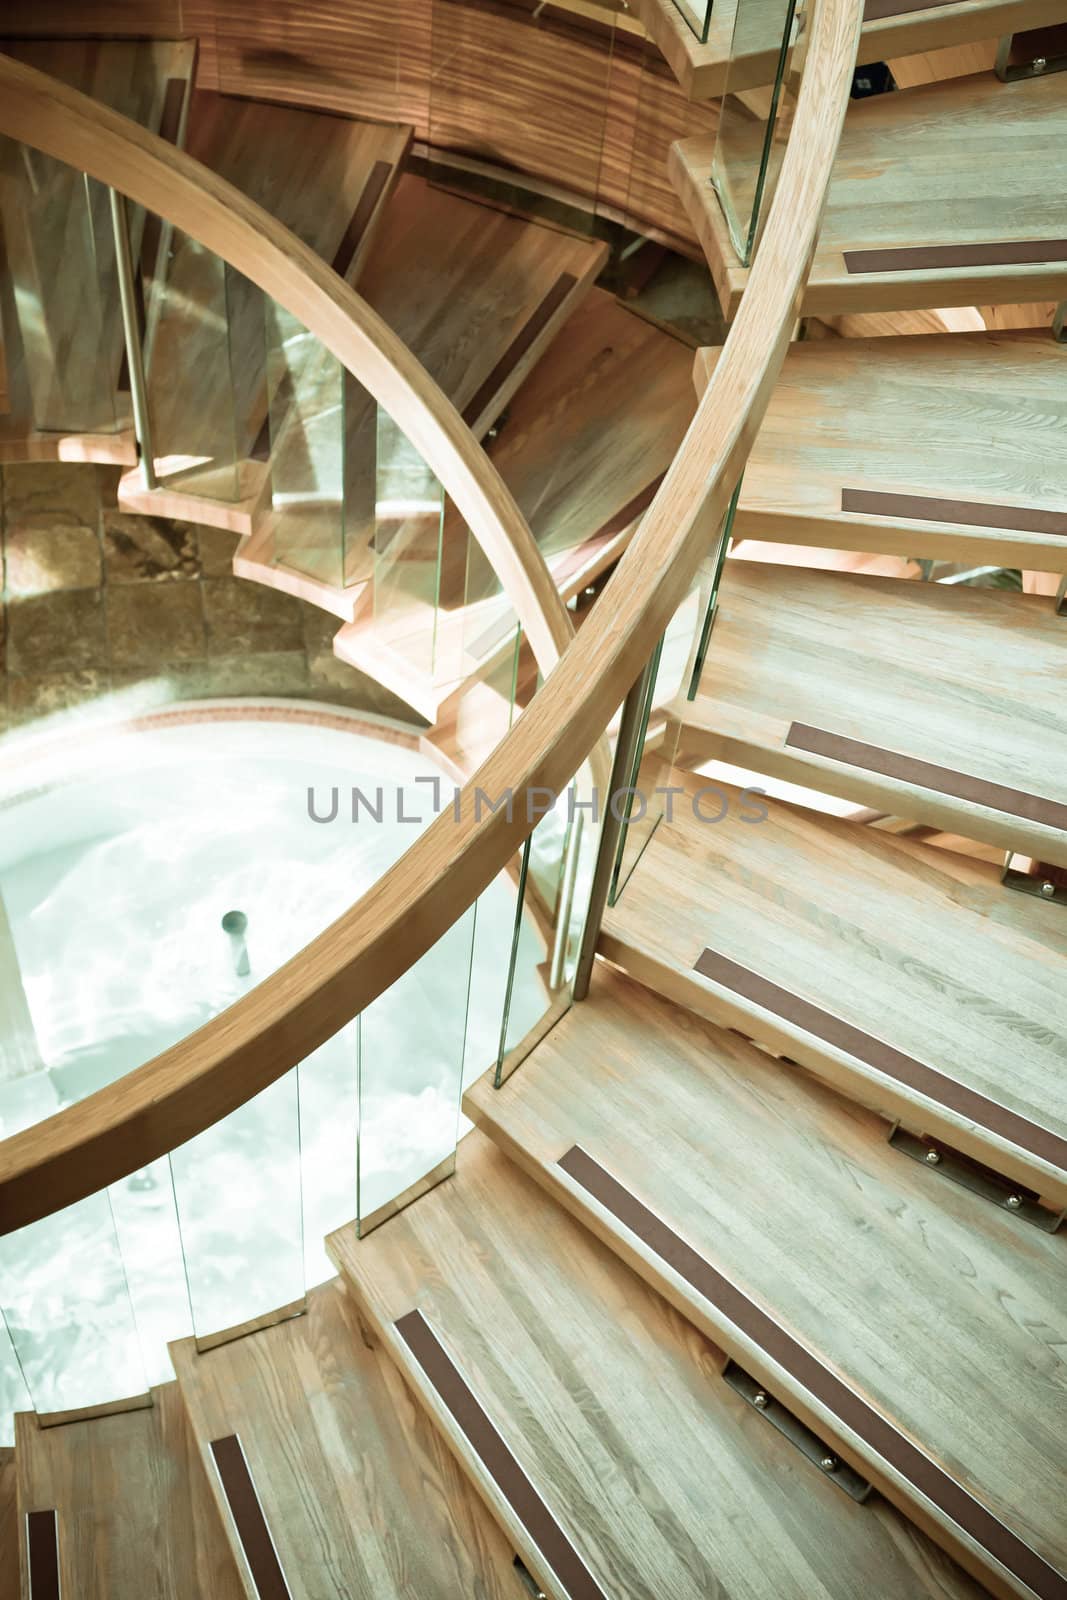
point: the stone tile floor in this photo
(95, 602)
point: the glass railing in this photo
(227, 1231)
(189, 889)
(672, 676)
(696, 14)
(195, 309)
(754, 123)
(63, 345)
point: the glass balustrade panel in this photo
(754, 123)
(412, 1059)
(238, 1192)
(191, 364)
(62, 322)
(409, 511)
(66, 1305)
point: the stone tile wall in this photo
(95, 601)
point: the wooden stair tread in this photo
(706, 69)
(461, 283)
(662, 1480)
(360, 1497)
(9, 1525)
(587, 437)
(320, 174)
(129, 75)
(903, 669)
(134, 1513)
(794, 1196)
(958, 974)
(971, 424)
(919, 169)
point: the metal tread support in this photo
(976, 1177)
(790, 1427)
(1031, 53)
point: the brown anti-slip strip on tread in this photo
(251, 1524)
(877, 1432)
(42, 1545)
(503, 1468)
(368, 201)
(927, 775)
(915, 1075)
(935, 257)
(969, 513)
(531, 329)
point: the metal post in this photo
(611, 827)
(566, 901)
(131, 329)
(725, 535)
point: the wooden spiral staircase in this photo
(688, 1321)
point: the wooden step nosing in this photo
(879, 1436)
(497, 1458)
(946, 1092)
(920, 774)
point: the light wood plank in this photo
(795, 1197)
(94, 17)
(898, 665)
(134, 1515)
(664, 1482)
(919, 168)
(979, 419)
(360, 1498)
(9, 1526)
(458, 282)
(371, 60)
(912, 946)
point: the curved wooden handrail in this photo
(90, 137)
(204, 1077)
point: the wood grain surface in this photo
(904, 668)
(360, 1497)
(135, 1518)
(665, 1483)
(795, 1196)
(9, 1526)
(916, 169)
(979, 419)
(909, 944)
